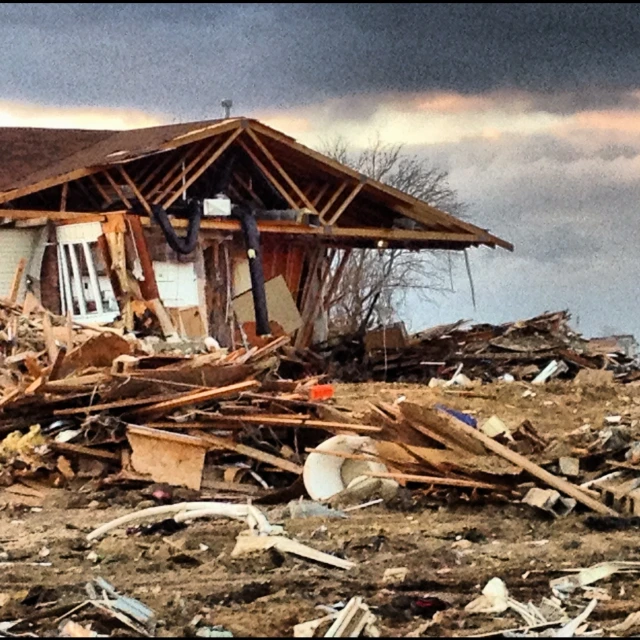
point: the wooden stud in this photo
(168, 157)
(425, 213)
(346, 203)
(117, 189)
(320, 194)
(332, 200)
(225, 145)
(287, 178)
(99, 188)
(17, 281)
(148, 287)
(283, 192)
(63, 196)
(135, 189)
(182, 174)
(177, 167)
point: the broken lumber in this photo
(561, 485)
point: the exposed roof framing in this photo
(88, 172)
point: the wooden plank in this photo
(149, 287)
(100, 454)
(282, 172)
(333, 199)
(250, 452)
(188, 167)
(279, 421)
(17, 280)
(217, 153)
(57, 365)
(274, 181)
(105, 196)
(422, 211)
(290, 228)
(134, 188)
(63, 196)
(190, 399)
(350, 198)
(117, 189)
(561, 485)
(117, 404)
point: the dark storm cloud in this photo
(185, 57)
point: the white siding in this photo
(14, 245)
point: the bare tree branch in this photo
(375, 283)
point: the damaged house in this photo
(221, 228)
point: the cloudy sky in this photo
(534, 109)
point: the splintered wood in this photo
(73, 395)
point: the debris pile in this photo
(530, 350)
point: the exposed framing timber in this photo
(425, 214)
(269, 176)
(278, 167)
(136, 191)
(170, 178)
(117, 189)
(291, 228)
(63, 196)
(161, 166)
(96, 183)
(320, 194)
(333, 200)
(350, 198)
(221, 149)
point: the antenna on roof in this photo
(226, 105)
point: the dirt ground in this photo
(451, 550)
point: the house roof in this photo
(36, 159)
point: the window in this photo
(85, 287)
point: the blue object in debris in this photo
(463, 417)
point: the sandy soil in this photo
(451, 550)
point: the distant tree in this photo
(376, 283)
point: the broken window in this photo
(85, 287)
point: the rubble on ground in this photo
(519, 350)
(257, 435)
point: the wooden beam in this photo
(320, 194)
(426, 212)
(17, 280)
(63, 196)
(27, 214)
(249, 189)
(549, 479)
(332, 232)
(350, 198)
(282, 172)
(183, 160)
(135, 189)
(117, 189)
(105, 196)
(185, 172)
(223, 147)
(333, 199)
(337, 276)
(148, 287)
(250, 452)
(189, 399)
(168, 157)
(283, 192)
(278, 421)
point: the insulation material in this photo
(282, 308)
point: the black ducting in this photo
(254, 255)
(185, 244)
